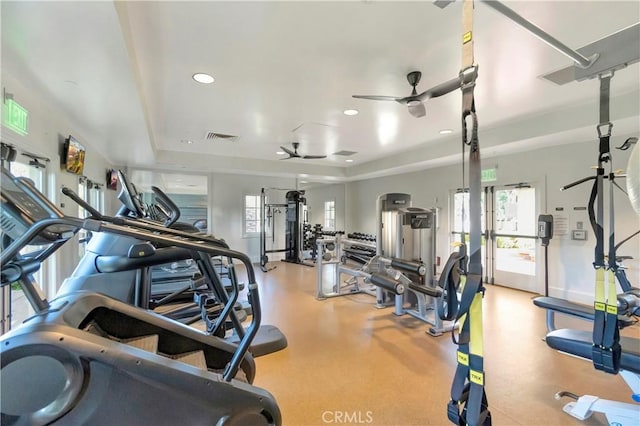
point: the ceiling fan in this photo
(294, 153)
(415, 101)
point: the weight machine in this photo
(385, 273)
(295, 216)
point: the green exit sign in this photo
(16, 117)
(489, 175)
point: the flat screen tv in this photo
(74, 156)
(112, 179)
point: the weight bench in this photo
(555, 305)
(580, 343)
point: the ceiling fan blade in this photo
(377, 98)
(288, 151)
(417, 109)
(440, 89)
(312, 157)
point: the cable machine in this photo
(295, 208)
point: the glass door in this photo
(513, 235)
(509, 223)
(461, 223)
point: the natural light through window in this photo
(251, 214)
(330, 215)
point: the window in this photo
(83, 235)
(251, 214)
(330, 215)
(13, 301)
(459, 198)
(96, 197)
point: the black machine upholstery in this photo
(580, 343)
(564, 307)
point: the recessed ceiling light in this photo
(203, 78)
(349, 160)
(187, 141)
(303, 181)
(280, 152)
(350, 112)
(446, 131)
(303, 175)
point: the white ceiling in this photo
(123, 71)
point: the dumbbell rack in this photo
(358, 247)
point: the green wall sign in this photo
(489, 175)
(16, 117)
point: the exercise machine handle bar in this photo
(166, 202)
(145, 225)
(583, 180)
(426, 290)
(82, 203)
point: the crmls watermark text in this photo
(347, 417)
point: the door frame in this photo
(533, 284)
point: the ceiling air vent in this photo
(345, 153)
(215, 137)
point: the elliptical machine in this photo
(85, 357)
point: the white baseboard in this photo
(582, 297)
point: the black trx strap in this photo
(606, 335)
(468, 405)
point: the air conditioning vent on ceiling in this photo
(215, 136)
(345, 153)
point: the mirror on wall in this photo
(189, 192)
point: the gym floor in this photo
(350, 363)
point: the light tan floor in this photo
(347, 360)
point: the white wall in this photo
(48, 128)
(226, 201)
(316, 197)
(570, 262)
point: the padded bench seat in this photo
(565, 307)
(580, 343)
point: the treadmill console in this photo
(23, 205)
